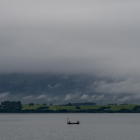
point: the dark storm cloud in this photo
(73, 37)
(70, 37)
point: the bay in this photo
(53, 126)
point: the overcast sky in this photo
(76, 36)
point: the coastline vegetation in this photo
(86, 109)
(17, 107)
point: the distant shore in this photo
(82, 109)
(17, 107)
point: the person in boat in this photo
(77, 121)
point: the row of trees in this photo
(31, 104)
(80, 104)
(8, 106)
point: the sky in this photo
(73, 37)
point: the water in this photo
(54, 127)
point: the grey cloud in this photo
(53, 99)
(56, 98)
(39, 99)
(114, 98)
(70, 37)
(101, 97)
(68, 97)
(97, 97)
(74, 37)
(4, 95)
(55, 86)
(73, 96)
(49, 99)
(84, 97)
(42, 96)
(130, 85)
(27, 97)
(126, 99)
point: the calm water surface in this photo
(54, 127)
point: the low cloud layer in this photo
(73, 37)
(74, 88)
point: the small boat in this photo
(68, 122)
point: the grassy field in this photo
(57, 107)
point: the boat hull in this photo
(73, 123)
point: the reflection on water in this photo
(54, 127)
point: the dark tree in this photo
(31, 104)
(69, 104)
(77, 107)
